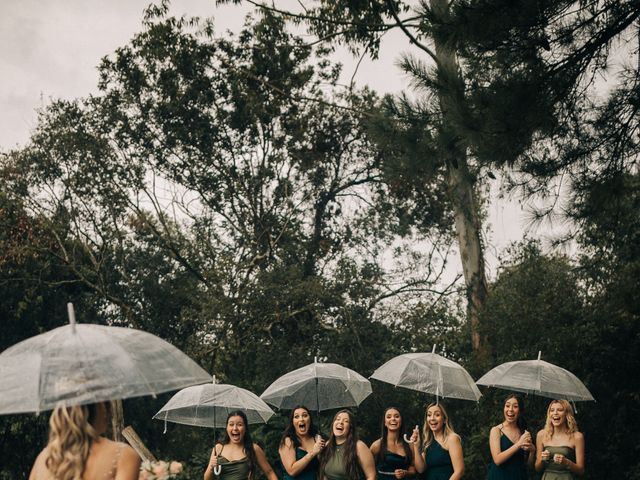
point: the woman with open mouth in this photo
(236, 456)
(511, 447)
(441, 456)
(394, 459)
(560, 445)
(300, 446)
(344, 456)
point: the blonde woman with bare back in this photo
(77, 451)
(560, 446)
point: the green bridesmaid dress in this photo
(439, 466)
(555, 471)
(515, 468)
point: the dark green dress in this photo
(554, 471)
(439, 466)
(515, 468)
(310, 472)
(390, 462)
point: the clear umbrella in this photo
(538, 378)
(429, 373)
(318, 386)
(208, 406)
(81, 364)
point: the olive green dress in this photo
(555, 471)
(336, 467)
(235, 470)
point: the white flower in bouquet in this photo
(159, 470)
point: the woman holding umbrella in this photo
(394, 459)
(344, 454)
(76, 448)
(300, 446)
(510, 443)
(560, 445)
(441, 456)
(237, 456)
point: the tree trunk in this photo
(460, 182)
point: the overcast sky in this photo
(51, 49)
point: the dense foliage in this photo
(229, 196)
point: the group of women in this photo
(76, 449)
(558, 451)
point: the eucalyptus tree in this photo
(425, 146)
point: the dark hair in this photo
(350, 448)
(521, 422)
(290, 431)
(383, 438)
(247, 441)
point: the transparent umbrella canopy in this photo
(80, 363)
(537, 377)
(429, 373)
(208, 406)
(318, 386)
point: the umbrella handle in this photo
(217, 469)
(408, 440)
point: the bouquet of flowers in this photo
(159, 470)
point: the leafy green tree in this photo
(222, 193)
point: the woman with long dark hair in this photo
(76, 450)
(441, 455)
(300, 446)
(344, 455)
(510, 443)
(236, 455)
(393, 456)
(560, 444)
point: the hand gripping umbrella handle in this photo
(408, 440)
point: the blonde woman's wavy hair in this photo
(426, 431)
(572, 424)
(71, 435)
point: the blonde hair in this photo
(446, 431)
(70, 438)
(572, 424)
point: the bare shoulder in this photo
(361, 445)
(127, 453)
(375, 446)
(39, 465)
(454, 440)
(579, 437)
(257, 448)
(496, 429)
(287, 443)
(540, 435)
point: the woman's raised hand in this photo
(524, 441)
(415, 436)
(318, 445)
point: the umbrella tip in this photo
(539, 354)
(72, 316)
(433, 350)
